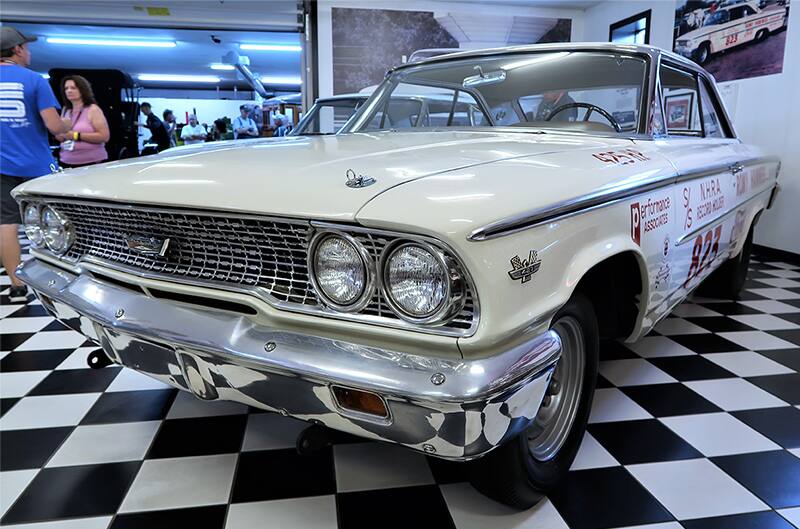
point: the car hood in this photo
(299, 176)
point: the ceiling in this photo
(194, 52)
(554, 4)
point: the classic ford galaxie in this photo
(440, 287)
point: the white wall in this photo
(765, 110)
(601, 16)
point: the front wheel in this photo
(523, 470)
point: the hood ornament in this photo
(359, 181)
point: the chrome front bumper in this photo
(223, 355)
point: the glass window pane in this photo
(680, 101)
(413, 106)
(632, 33)
(328, 116)
(711, 121)
(538, 90)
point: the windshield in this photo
(720, 17)
(586, 91)
(328, 116)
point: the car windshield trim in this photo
(636, 81)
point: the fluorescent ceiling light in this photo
(270, 47)
(171, 78)
(219, 66)
(114, 42)
(269, 79)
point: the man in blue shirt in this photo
(28, 109)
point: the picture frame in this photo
(678, 109)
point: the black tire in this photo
(510, 474)
(727, 281)
(762, 35)
(703, 53)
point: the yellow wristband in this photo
(75, 136)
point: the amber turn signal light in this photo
(360, 401)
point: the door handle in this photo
(736, 168)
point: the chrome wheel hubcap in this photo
(559, 407)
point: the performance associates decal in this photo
(650, 215)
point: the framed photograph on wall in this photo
(678, 108)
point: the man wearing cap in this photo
(28, 109)
(243, 126)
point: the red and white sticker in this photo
(621, 157)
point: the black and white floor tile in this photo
(696, 426)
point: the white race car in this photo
(437, 280)
(730, 26)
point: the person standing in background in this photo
(243, 126)
(30, 109)
(220, 131)
(171, 126)
(193, 132)
(155, 126)
(84, 144)
(281, 129)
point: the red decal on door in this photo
(636, 224)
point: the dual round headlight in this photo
(419, 282)
(33, 227)
(341, 271)
(45, 226)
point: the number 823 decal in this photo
(706, 247)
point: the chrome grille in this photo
(216, 248)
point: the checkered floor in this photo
(695, 426)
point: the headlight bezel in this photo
(366, 260)
(455, 294)
(38, 219)
(65, 224)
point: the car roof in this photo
(638, 49)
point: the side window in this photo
(736, 13)
(712, 120)
(681, 102)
